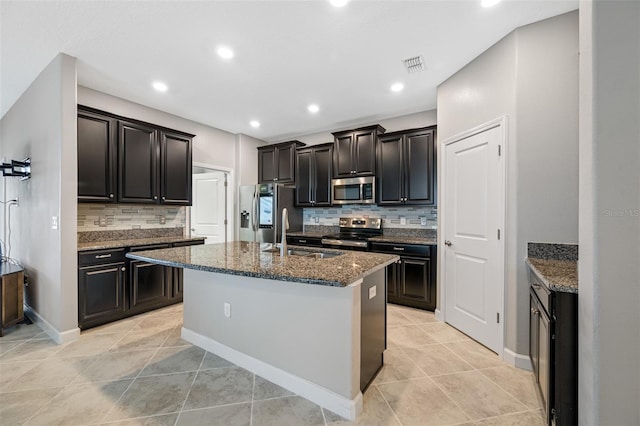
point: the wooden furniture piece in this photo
(11, 295)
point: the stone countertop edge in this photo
(551, 278)
(172, 258)
(112, 244)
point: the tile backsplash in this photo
(392, 217)
(102, 217)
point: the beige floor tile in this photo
(80, 404)
(22, 332)
(9, 371)
(443, 333)
(436, 359)
(141, 340)
(175, 338)
(519, 383)
(119, 327)
(88, 345)
(17, 407)
(397, 366)
(395, 318)
(220, 386)
(476, 354)
(478, 396)
(115, 366)
(31, 350)
(7, 346)
(52, 373)
(228, 415)
(421, 402)
(162, 420)
(408, 336)
(375, 412)
(292, 410)
(528, 418)
(264, 389)
(417, 316)
(174, 360)
(169, 320)
(153, 395)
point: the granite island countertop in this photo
(133, 242)
(247, 259)
(558, 275)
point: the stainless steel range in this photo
(354, 233)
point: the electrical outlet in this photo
(102, 220)
(372, 292)
(423, 220)
(163, 219)
(227, 310)
(403, 220)
(317, 219)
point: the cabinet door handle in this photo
(110, 195)
(302, 241)
(123, 269)
(164, 198)
(103, 256)
(535, 285)
(535, 311)
(155, 197)
(398, 248)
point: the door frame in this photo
(229, 199)
(442, 219)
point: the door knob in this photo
(193, 229)
(447, 243)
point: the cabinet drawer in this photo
(151, 247)
(402, 249)
(541, 291)
(99, 257)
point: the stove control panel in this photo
(360, 223)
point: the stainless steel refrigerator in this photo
(261, 212)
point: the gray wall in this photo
(42, 125)
(609, 271)
(530, 76)
(409, 121)
(210, 146)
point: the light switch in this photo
(423, 220)
(54, 222)
(372, 292)
(227, 310)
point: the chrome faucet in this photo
(285, 226)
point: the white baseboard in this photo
(60, 337)
(439, 315)
(343, 406)
(517, 360)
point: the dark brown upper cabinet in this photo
(313, 175)
(276, 163)
(354, 152)
(97, 157)
(128, 161)
(406, 167)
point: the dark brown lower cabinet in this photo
(553, 348)
(150, 285)
(101, 287)
(411, 281)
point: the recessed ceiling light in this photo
(254, 123)
(313, 108)
(397, 87)
(489, 3)
(225, 52)
(160, 86)
(338, 3)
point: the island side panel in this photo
(310, 331)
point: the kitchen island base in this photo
(303, 337)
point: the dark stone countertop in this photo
(7, 268)
(248, 259)
(558, 275)
(133, 242)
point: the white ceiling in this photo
(288, 54)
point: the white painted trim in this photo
(347, 408)
(439, 315)
(517, 360)
(501, 122)
(60, 337)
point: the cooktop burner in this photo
(354, 232)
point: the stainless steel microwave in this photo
(359, 190)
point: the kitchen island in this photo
(315, 326)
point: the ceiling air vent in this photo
(414, 64)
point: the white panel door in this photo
(209, 205)
(473, 278)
